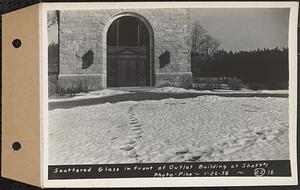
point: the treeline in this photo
(265, 68)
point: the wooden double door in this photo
(127, 66)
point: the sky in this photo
(52, 34)
(245, 28)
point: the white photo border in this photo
(175, 181)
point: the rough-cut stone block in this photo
(183, 79)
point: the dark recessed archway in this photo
(129, 61)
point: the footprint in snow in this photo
(133, 154)
(183, 150)
(136, 131)
(127, 147)
(131, 141)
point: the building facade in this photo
(115, 48)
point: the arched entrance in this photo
(129, 54)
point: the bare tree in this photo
(210, 46)
(197, 37)
(201, 42)
(52, 18)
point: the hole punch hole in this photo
(16, 146)
(17, 43)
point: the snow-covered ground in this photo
(217, 91)
(205, 128)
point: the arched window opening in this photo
(128, 53)
(128, 31)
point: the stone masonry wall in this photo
(82, 35)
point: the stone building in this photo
(115, 48)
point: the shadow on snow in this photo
(141, 96)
